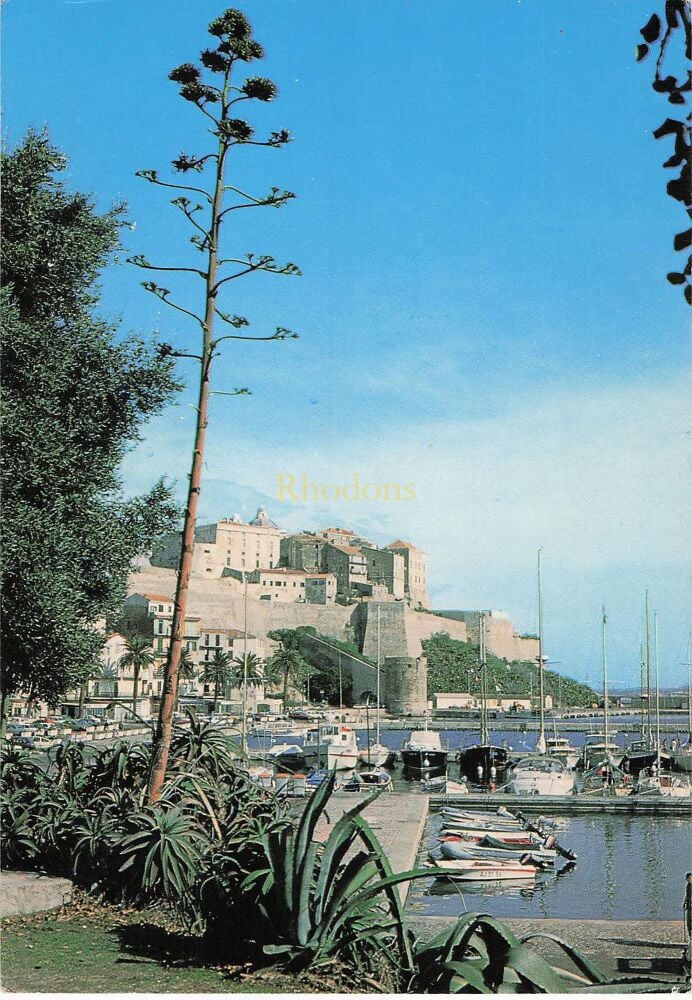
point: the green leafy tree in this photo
(138, 656)
(218, 94)
(218, 671)
(74, 396)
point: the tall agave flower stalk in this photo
(206, 210)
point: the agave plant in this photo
(204, 746)
(20, 769)
(95, 837)
(314, 903)
(17, 836)
(122, 765)
(162, 854)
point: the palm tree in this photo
(186, 668)
(218, 672)
(139, 655)
(255, 669)
(287, 664)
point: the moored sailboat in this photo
(484, 763)
(375, 754)
(540, 773)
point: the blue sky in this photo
(484, 234)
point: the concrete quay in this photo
(397, 818)
(572, 805)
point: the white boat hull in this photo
(682, 759)
(341, 760)
(375, 755)
(537, 783)
(481, 871)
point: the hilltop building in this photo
(415, 572)
(226, 545)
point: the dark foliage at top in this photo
(676, 21)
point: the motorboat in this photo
(560, 747)
(681, 756)
(423, 754)
(484, 763)
(658, 783)
(482, 871)
(369, 781)
(455, 848)
(599, 750)
(540, 774)
(639, 756)
(518, 836)
(333, 744)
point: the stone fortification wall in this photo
(363, 675)
(501, 637)
(406, 685)
(220, 602)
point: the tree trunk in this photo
(82, 698)
(162, 738)
(135, 685)
(285, 699)
(4, 701)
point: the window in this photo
(218, 640)
(159, 645)
(160, 607)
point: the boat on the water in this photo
(423, 755)
(540, 774)
(681, 756)
(639, 755)
(662, 783)
(485, 763)
(481, 871)
(456, 848)
(518, 836)
(561, 748)
(369, 781)
(333, 744)
(600, 750)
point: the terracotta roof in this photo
(350, 550)
(158, 597)
(398, 544)
(340, 531)
(282, 570)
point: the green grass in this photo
(106, 953)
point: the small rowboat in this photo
(482, 871)
(517, 836)
(453, 848)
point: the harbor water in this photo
(627, 868)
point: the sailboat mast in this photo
(689, 693)
(377, 717)
(605, 677)
(481, 655)
(658, 703)
(541, 743)
(641, 691)
(648, 666)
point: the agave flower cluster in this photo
(235, 44)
